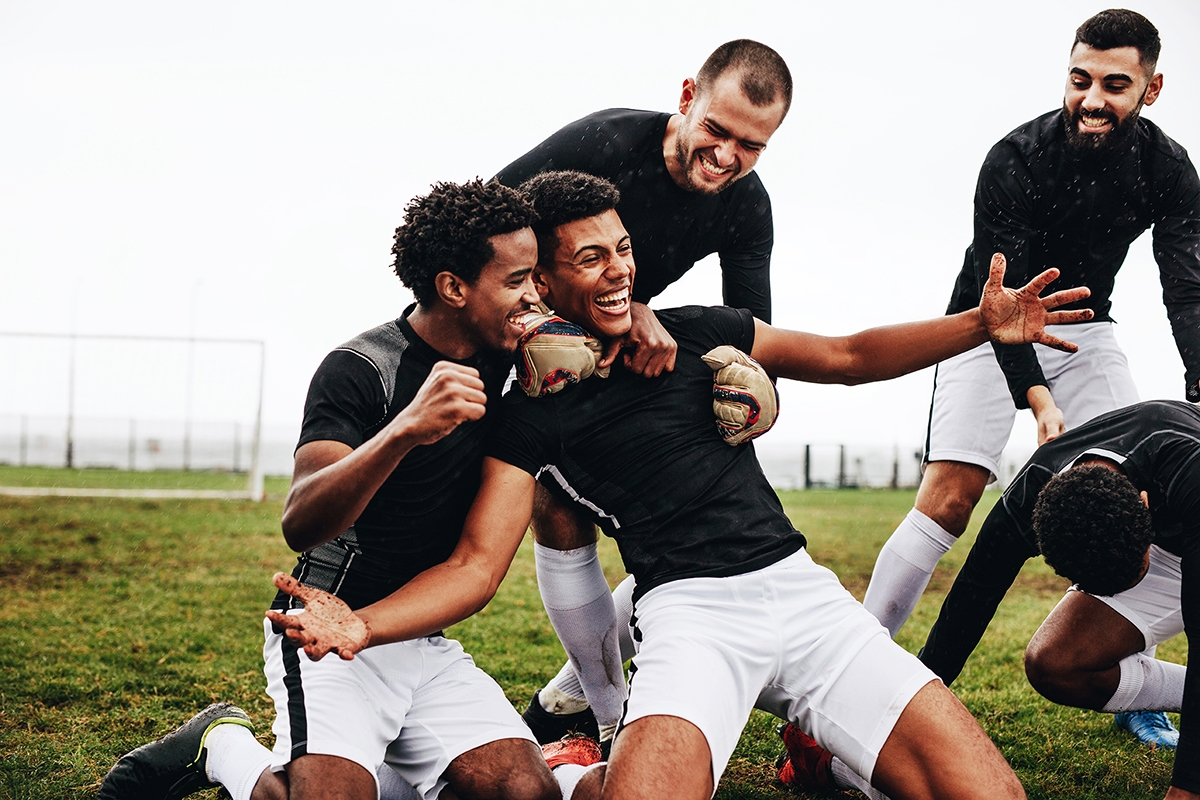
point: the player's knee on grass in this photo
(508, 769)
(949, 493)
(314, 777)
(938, 750)
(558, 523)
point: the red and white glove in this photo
(745, 400)
(554, 353)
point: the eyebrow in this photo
(600, 247)
(1115, 76)
(721, 130)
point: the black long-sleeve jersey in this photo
(1157, 445)
(1042, 207)
(671, 228)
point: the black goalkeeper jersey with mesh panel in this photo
(670, 228)
(1157, 445)
(416, 517)
(644, 456)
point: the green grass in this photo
(121, 618)
(125, 479)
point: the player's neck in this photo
(441, 328)
(670, 154)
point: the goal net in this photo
(135, 404)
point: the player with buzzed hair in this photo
(731, 612)
(386, 468)
(1071, 189)
(687, 190)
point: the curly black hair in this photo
(1093, 528)
(1120, 27)
(563, 196)
(448, 230)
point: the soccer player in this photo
(1113, 505)
(1071, 189)
(730, 610)
(387, 465)
(687, 190)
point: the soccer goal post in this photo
(134, 404)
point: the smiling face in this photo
(589, 278)
(721, 135)
(1106, 90)
(494, 304)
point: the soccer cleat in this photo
(1151, 727)
(574, 748)
(172, 766)
(805, 764)
(548, 728)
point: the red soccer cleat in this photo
(574, 748)
(805, 765)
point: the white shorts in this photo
(415, 705)
(972, 413)
(788, 639)
(1153, 606)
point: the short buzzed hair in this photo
(1120, 27)
(563, 196)
(765, 78)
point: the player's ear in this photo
(450, 289)
(687, 96)
(542, 284)
(1153, 89)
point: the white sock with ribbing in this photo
(903, 569)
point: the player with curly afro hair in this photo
(1093, 528)
(447, 230)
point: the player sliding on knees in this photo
(701, 530)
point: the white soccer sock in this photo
(580, 608)
(903, 569)
(623, 604)
(1147, 684)
(846, 778)
(236, 760)
(394, 787)
(569, 776)
(564, 687)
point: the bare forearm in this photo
(439, 597)
(879, 354)
(324, 503)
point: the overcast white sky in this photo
(236, 169)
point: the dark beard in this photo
(681, 158)
(1098, 146)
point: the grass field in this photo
(121, 618)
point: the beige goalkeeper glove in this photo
(745, 401)
(554, 353)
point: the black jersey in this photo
(671, 228)
(1042, 207)
(644, 456)
(416, 517)
(1157, 445)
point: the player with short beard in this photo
(1071, 189)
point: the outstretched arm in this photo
(1004, 315)
(438, 597)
